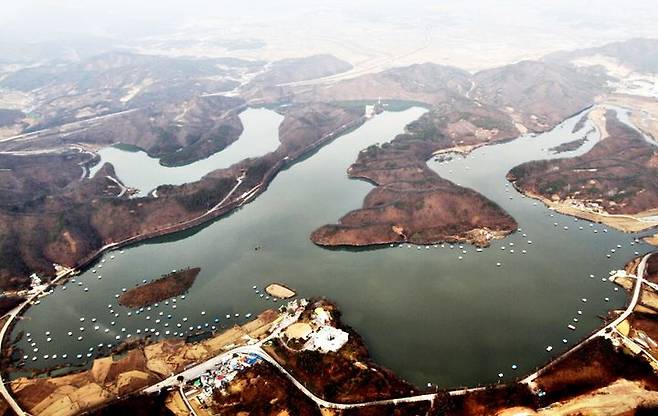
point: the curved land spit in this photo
(616, 182)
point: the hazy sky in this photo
(481, 31)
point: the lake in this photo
(422, 311)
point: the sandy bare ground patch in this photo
(279, 291)
(621, 397)
(517, 411)
(653, 240)
(597, 115)
(624, 222)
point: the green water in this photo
(424, 313)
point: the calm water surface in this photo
(137, 170)
(423, 312)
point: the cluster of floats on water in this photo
(153, 313)
(163, 319)
(510, 248)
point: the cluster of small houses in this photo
(586, 205)
(221, 376)
(317, 334)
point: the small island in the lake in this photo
(168, 286)
(569, 146)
